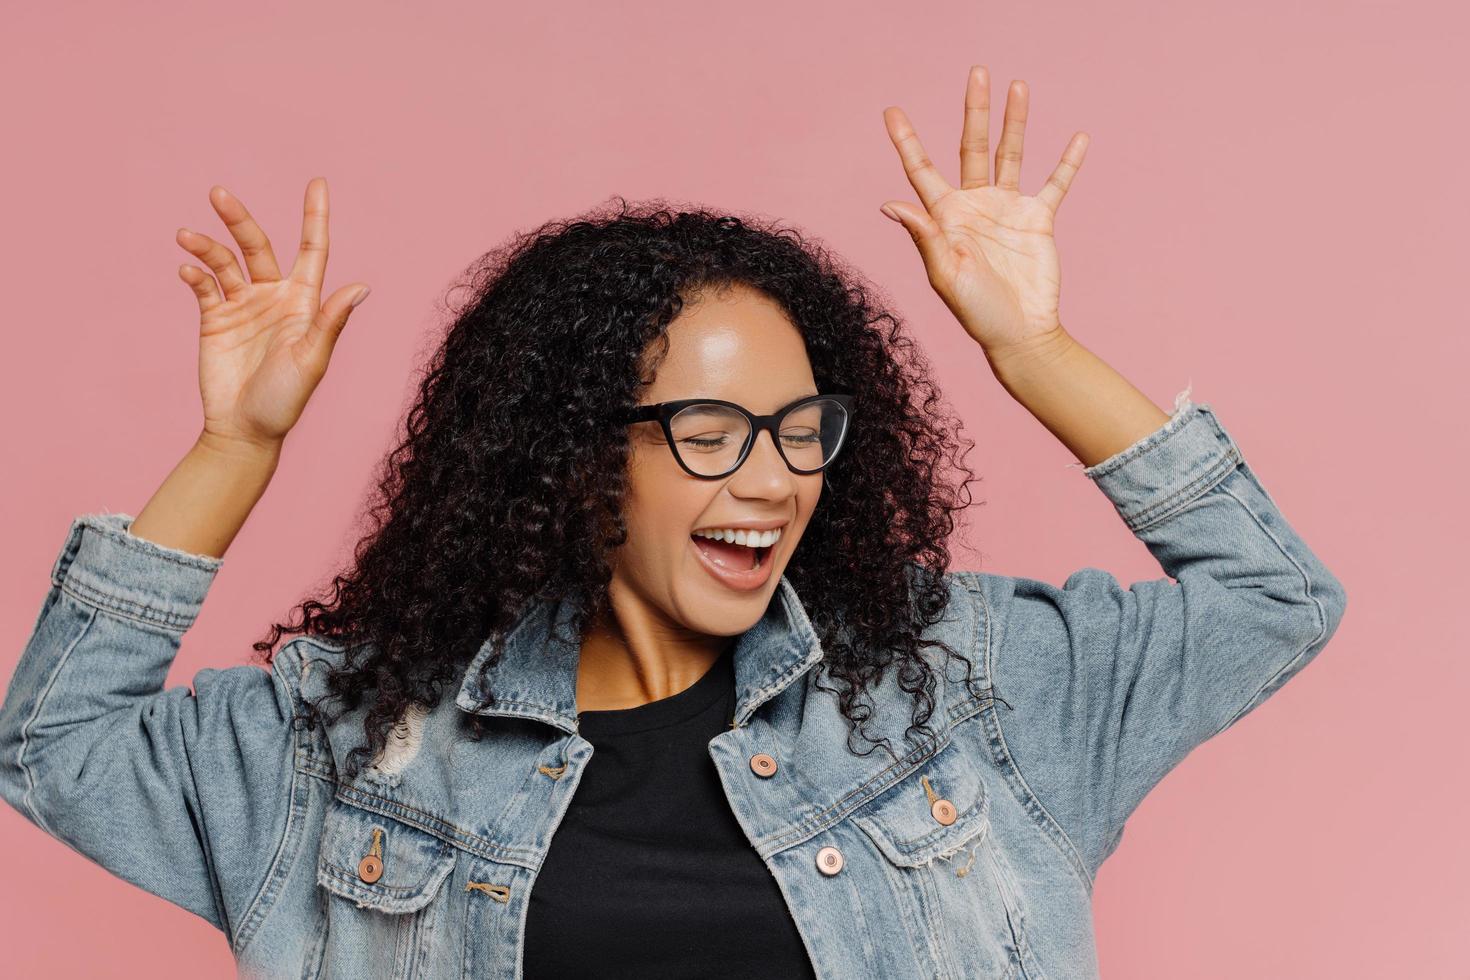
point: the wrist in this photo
(1030, 356)
(236, 449)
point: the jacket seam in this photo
(1160, 511)
(105, 528)
(814, 823)
(1307, 587)
(1074, 858)
(136, 612)
(260, 905)
(20, 758)
(782, 678)
(350, 795)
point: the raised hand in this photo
(264, 342)
(987, 248)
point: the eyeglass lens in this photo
(709, 438)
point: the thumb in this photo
(922, 228)
(332, 317)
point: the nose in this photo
(765, 467)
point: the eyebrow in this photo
(779, 410)
(786, 404)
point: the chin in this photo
(713, 610)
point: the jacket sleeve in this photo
(1110, 687)
(184, 794)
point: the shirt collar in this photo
(536, 677)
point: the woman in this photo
(654, 657)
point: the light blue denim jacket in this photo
(214, 801)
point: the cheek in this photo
(807, 498)
(662, 506)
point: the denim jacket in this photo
(972, 856)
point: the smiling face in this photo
(740, 346)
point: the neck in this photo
(632, 655)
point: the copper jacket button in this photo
(763, 765)
(829, 860)
(944, 812)
(370, 868)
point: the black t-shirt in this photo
(649, 875)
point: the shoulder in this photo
(966, 632)
(1015, 607)
(304, 662)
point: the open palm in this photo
(265, 341)
(989, 250)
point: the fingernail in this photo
(361, 295)
(891, 213)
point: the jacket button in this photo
(763, 765)
(829, 860)
(370, 868)
(944, 812)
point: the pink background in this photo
(1272, 207)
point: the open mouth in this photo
(736, 555)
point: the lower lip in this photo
(733, 578)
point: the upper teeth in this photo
(751, 539)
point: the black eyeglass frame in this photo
(663, 413)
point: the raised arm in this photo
(183, 793)
(1107, 688)
(991, 255)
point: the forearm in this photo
(1091, 408)
(204, 502)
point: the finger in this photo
(311, 261)
(1012, 136)
(1061, 178)
(975, 137)
(327, 325)
(206, 290)
(923, 229)
(925, 178)
(217, 257)
(254, 246)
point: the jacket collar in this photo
(536, 677)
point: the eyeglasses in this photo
(711, 438)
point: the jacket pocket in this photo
(382, 881)
(958, 898)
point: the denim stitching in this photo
(1198, 487)
(782, 680)
(427, 822)
(900, 885)
(435, 878)
(1073, 855)
(931, 908)
(20, 758)
(817, 822)
(1307, 585)
(261, 905)
(133, 611)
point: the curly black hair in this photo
(486, 506)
